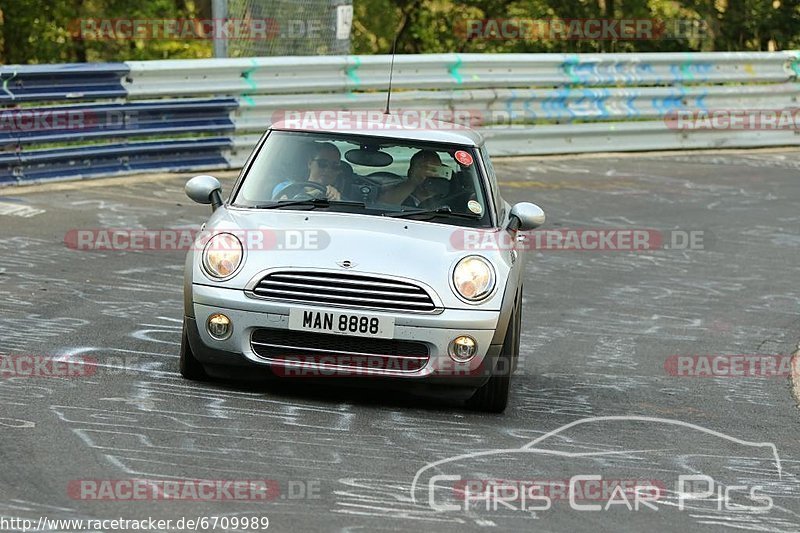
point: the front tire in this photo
(492, 397)
(189, 366)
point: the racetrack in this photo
(599, 327)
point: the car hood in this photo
(385, 246)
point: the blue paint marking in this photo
(689, 71)
(674, 100)
(454, 70)
(562, 103)
(546, 105)
(510, 105)
(530, 112)
(554, 104)
(630, 105)
(601, 97)
(700, 101)
(569, 66)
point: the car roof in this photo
(377, 124)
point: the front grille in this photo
(322, 350)
(341, 289)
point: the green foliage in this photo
(433, 25)
(41, 31)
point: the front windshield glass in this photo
(367, 175)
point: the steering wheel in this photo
(296, 191)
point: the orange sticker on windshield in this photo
(463, 157)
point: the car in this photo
(342, 251)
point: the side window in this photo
(495, 190)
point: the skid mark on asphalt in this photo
(24, 330)
(604, 185)
(598, 328)
(14, 508)
(16, 423)
(112, 214)
(14, 209)
(534, 396)
(386, 499)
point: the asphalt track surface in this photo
(599, 327)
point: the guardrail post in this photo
(219, 12)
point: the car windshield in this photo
(367, 175)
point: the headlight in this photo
(222, 255)
(473, 278)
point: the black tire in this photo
(492, 397)
(517, 333)
(189, 366)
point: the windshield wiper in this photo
(313, 203)
(444, 212)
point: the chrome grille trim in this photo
(342, 280)
(326, 297)
(346, 290)
(343, 289)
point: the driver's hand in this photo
(429, 171)
(331, 193)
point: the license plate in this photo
(355, 324)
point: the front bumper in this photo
(436, 331)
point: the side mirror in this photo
(205, 190)
(525, 216)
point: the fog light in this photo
(463, 348)
(219, 326)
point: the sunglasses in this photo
(326, 163)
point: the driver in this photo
(422, 188)
(324, 168)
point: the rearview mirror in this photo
(205, 190)
(526, 216)
(368, 157)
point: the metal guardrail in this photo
(137, 119)
(114, 159)
(183, 114)
(83, 81)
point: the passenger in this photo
(324, 168)
(423, 186)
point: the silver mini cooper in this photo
(367, 250)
